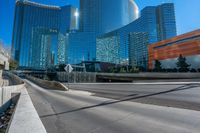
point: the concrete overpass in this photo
(112, 77)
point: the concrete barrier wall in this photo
(81, 77)
(0, 74)
(53, 85)
(4, 61)
(77, 77)
(1, 80)
(151, 75)
(7, 91)
(16, 80)
(25, 118)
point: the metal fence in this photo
(76, 77)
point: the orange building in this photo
(167, 51)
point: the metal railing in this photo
(77, 77)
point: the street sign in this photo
(68, 68)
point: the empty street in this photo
(127, 108)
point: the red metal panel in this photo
(188, 48)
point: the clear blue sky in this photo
(187, 14)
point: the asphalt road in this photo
(178, 95)
(79, 112)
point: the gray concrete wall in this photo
(4, 61)
(53, 85)
(1, 80)
(25, 118)
(7, 91)
(150, 75)
(77, 77)
(94, 77)
(1, 74)
(16, 80)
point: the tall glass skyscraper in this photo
(166, 21)
(138, 53)
(102, 16)
(81, 47)
(155, 23)
(96, 18)
(107, 49)
(39, 34)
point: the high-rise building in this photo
(107, 49)
(101, 16)
(81, 47)
(39, 33)
(98, 17)
(147, 22)
(138, 53)
(166, 21)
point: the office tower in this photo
(81, 47)
(101, 16)
(108, 48)
(138, 53)
(166, 21)
(159, 22)
(98, 17)
(151, 22)
(145, 23)
(39, 34)
(148, 23)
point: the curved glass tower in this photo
(101, 16)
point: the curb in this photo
(25, 118)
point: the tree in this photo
(61, 67)
(193, 70)
(182, 65)
(158, 66)
(122, 70)
(134, 70)
(13, 64)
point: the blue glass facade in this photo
(147, 22)
(39, 33)
(98, 17)
(107, 49)
(81, 47)
(102, 16)
(49, 35)
(166, 21)
(138, 50)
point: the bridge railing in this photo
(76, 77)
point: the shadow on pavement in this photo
(127, 98)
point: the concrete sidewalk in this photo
(26, 119)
